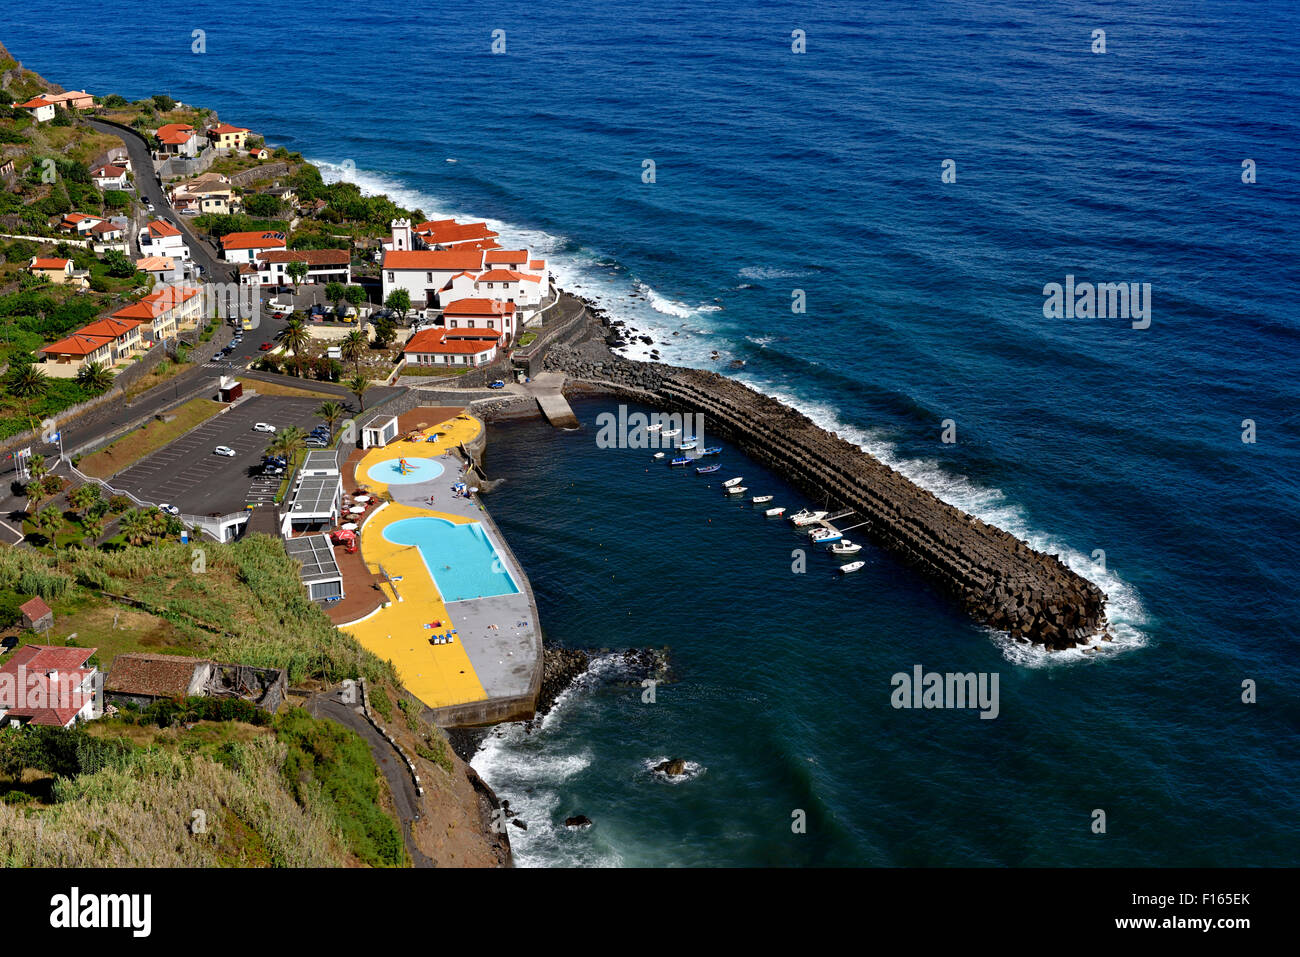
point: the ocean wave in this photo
(768, 272)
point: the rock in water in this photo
(673, 767)
(578, 820)
(520, 824)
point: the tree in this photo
(49, 521)
(358, 385)
(297, 273)
(288, 442)
(331, 412)
(294, 336)
(83, 497)
(95, 376)
(28, 383)
(119, 266)
(163, 102)
(134, 524)
(355, 296)
(334, 292)
(385, 331)
(93, 527)
(264, 206)
(399, 300)
(115, 101)
(354, 347)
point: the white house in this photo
(244, 247)
(463, 347)
(109, 177)
(178, 139)
(323, 266)
(161, 238)
(507, 284)
(423, 272)
(164, 269)
(80, 223)
(48, 685)
(493, 314)
(41, 108)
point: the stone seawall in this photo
(996, 578)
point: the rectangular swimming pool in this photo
(462, 560)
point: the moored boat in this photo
(706, 469)
(685, 446)
(851, 567)
(846, 547)
(659, 455)
(711, 450)
(684, 460)
(654, 428)
(824, 536)
(760, 499)
(733, 481)
(774, 512)
(736, 490)
(669, 433)
(806, 517)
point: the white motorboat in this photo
(669, 433)
(736, 490)
(824, 536)
(659, 455)
(733, 481)
(685, 446)
(760, 499)
(654, 428)
(806, 517)
(774, 512)
(851, 567)
(846, 547)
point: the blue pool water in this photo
(422, 470)
(463, 563)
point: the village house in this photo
(72, 100)
(323, 266)
(141, 678)
(109, 177)
(178, 139)
(164, 269)
(493, 314)
(41, 108)
(161, 238)
(79, 223)
(209, 193)
(48, 685)
(165, 312)
(523, 289)
(260, 153)
(37, 615)
(58, 271)
(125, 333)
(226, 137)
(423, 272)
(69, 355)
(452, 347)
(284, 194)
(106, 232)
(244, 247)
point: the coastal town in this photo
(230, 384)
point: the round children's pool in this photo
(417, 470)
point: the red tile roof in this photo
(312, 257)
(479, 307)
(227, 128)
(153, 675)
(174, 134)
(107, 172)
(77, 345)
(35, 103)
(443, 232)
(50, 263)
(157, 303)
(255, 240)
(443, 341)
(161, 228)
(35, 608)
(431, 259)
(37, 663)
(113, 326)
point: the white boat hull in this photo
(760, 499)
(773, 512)
(851, 567)
(732, 481)
(736, 490)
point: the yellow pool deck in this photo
(439, 675)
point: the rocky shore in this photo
(994, 577)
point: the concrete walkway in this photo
(548, 390)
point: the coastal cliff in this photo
(994, 577)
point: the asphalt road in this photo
(190, 475)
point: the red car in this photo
(265, 347)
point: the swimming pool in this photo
(463, 562)
(420, 470)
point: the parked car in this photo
(315, 442)
(225, 450)
(497, 385)
(265, 347)
(263, 427)
(169, 509)
(272, 468)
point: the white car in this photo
(169, 509)
(225, 450)
(264, 427)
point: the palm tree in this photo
(331, 412)
(354, 346)
(84, 496)
(358, 385)
(134, 524)
(288, 442)
(93, 527)
(95, 376)
(36, 487)
(294, 336)
(29, 383)
(49, 520)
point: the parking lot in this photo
(191, 476)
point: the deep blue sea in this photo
(821, 171)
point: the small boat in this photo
(654, 428)
(670, 433)
(659, 455)
(760, 499)
(706, 469)
(805, 517)
(685, 446)
(851, 567)
(730, 482)
(824, 536)
(689, 438)
(774, 512)
(846, 547)
(736, 490)
(684, 460)
(711, 450)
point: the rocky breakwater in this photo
(996, 578)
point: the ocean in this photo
(819, 177)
